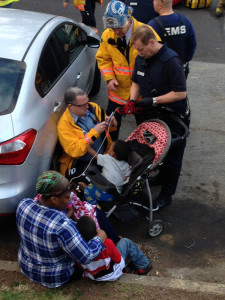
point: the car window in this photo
(61, 49)
(11, 78)
(77, 40)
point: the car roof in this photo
(18, 29)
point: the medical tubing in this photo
(107, 133)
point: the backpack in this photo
(197, 3)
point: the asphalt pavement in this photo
(193, 240)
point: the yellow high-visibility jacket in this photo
(6, 2)
(72, 138)
(79, 4)
(114, 65)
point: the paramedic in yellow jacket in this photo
(7, 3)
(116, 55)
(83, 123)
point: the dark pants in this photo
(105, 225)
(171, 167)
(88, 16)
(111, 107)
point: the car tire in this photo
(97, 82)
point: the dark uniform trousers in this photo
(88, 16)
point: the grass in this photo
(21, 291)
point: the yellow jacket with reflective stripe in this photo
(113, 64)
(79, 4)
(72, 139)
(6, 2)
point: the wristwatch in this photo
(154, 102)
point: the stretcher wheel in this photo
(156, 227)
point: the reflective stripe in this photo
(106, 71)
(116, 98)
(80, 7)
(124, 70)
(87, 139)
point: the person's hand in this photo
(102, 235)
(89, 148)
(144, 102)
(65, 4)
(112, 85)
(111, 121)
(100, 128)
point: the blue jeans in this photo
(129, 249)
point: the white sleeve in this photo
(102, 159)
(128, 170)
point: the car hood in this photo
(6, 131)
(17, 35)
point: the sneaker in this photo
(162, 201)
(146, 270)
(130, 269)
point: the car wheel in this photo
(97, 82)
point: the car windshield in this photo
(11, 77)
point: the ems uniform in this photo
(178, 33)
(143, 10)
(157, 76)
(116, 61)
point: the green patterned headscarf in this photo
(52, 183)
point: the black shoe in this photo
(162, 201)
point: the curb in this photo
(151, 281)
(179, 284)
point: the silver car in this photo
(41, 56)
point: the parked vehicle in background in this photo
(41, 56)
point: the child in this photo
(77, 208)
(115, 169)
(109, 265)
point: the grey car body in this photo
(41, 56)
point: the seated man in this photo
(82, 124)
(50, 242)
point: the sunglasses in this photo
(68, 189)
(79, 105)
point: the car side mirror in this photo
(92, 42)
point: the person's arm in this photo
(135, 88)
(70, 211)
(91, 151)
(66, 3)
(112, 251)
(104, 60)
(71, 241)
(171, 97)
(175, 77)
(134, 91)
(72, 139)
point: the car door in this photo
(66, 61)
